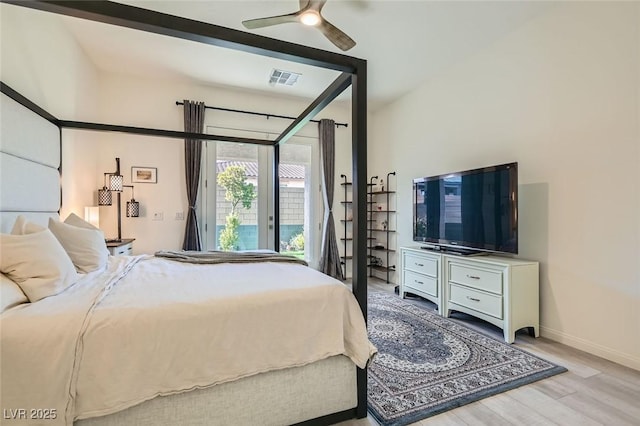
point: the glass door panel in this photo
(299, 194)
(235, 196)
(237, 177)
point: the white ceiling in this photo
(404, 42)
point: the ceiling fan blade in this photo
(336, 36)
(316, 5)
(271, 20)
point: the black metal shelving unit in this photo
(346, 203)
(387, 267)
(346, 220)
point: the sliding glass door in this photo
(236, 196)
(299, 195)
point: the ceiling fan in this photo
(309, 14)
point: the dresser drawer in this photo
(475, 277)
(480, 301)
(421, 282)
(121, 250)
(421, 265)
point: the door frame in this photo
(314, 212)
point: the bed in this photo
(144, 340)
(144, 327)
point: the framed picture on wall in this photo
(144, 175)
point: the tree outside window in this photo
(240, 194)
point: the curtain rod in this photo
(259, 113)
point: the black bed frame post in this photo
(359, 161)
(276, 198)
(119, 203)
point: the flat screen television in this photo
(468, 212)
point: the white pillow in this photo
(86, 247)
(37, 263)
(10, 294)
(23, 226)
(75, 220)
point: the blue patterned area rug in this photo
(427, 364)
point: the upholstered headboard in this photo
(29, 165)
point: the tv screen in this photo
(475, 209)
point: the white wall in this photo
(560, 96)
(133, 101)
(42, 61)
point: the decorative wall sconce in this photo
(105, 197)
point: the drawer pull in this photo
(419, 264)
(418, 282)
(473, 298)
(473, 277)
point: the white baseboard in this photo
(592, 348)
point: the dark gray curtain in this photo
(330, 257)
(193, 122)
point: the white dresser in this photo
(500, 290)
(420, 273)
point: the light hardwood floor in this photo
(593, 392)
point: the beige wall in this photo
(37, 51)
(141, 102)
(42, 61)
(560, 96)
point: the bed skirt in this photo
(282, 397)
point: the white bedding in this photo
(134, 331)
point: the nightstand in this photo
(123, 247)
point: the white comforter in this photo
(149, 327)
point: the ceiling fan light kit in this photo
(310, 17)
(309, 14)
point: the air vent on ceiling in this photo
(286, 78)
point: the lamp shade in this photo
(133, 208)
(116, 182)
(92, 215)
(104, 197)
